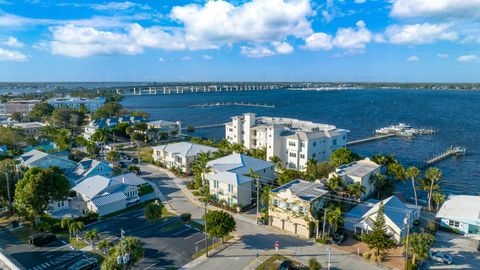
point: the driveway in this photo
(463, 251)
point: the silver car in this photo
(441, 257)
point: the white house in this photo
(37, 158)
(75, 103)
(293, 141)
(180, 155)
(462, 213)
(293, 205)
(89, 167)
(229, 180)
(358, 172)
(398, 216)
(106, 195)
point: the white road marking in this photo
(150, 266)
(53, 250)
(199, 241)
(187, 229)
(191, 235)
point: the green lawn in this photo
(172, 226)
(145, 189)
(78, 244)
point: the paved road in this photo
(254, 239)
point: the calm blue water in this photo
(455, 114)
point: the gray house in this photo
(37, 158)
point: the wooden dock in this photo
(371, 139)
(452, 151)
(206, 126)
(245, 104)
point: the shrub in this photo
(88, 217)
(366, 255)
(186, 217)
(313, 264)
(432, 227)
(191, 185)
(323, 241)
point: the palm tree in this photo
(356, 189)
(434, 175)
(311, 172)
(418, 246)
(438, 198)
(200, 167)
(412, 172)
(397, 171)
(265, 198)
(76, 227)
(91, 236)
(334, 218)
(103, 246)
(65, 224)
(378, 180)
(335, 183)
(238, 148)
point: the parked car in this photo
(41, 239)
(441, 257)
(478, 248)
(339, 238)
(84, 264)
(286, 265)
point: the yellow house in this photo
(291, 206)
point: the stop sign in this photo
(276, 245)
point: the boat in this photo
(460, 150)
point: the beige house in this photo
(291, 206)
(358, 172)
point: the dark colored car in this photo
(41, 239)
(286, 265)
(478, 248)
(84, 264)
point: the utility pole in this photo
(206, 236)
(324, 221)
(407, 223)
(258, 198)
(124, 260)
(10, 208)
(329, 258)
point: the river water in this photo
(455, 114)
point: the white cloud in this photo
(13, 42)
(117, 6)
(360, 1)
(468, 58)
(442, 55)
(10, 55)
(435, 8)
(350, 38)
(283, 47)
(218, 23)
(420, 33)
(413, 58)
(256, 51)
(318, 41)
(161, 59)
(207, 57)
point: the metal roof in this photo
(185, 149)
(305, 190)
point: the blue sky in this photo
(240, 40)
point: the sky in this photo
(240, 40)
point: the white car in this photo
(441, 257)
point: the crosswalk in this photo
(56, 261)
(41, 266)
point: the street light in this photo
(329, 250)
(10, 208)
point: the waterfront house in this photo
(162, 130)
(230, 182)
(107, 195)
(358, 172)
(89, 167)
(398, 216)
(293, 141)
(461, 213)
(37, 158)
(293, 205)
(107, 123)
(75, 103)
(180, 155)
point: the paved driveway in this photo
(463, 250)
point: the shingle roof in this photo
(109, 198)
(305, 190)
(185, 149)
(461, 208)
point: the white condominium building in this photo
(293, 141)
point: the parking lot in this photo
(168, 243)
(56, 255)
(463, 251)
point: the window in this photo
(454, 223)
(274, 202)
(289, 206)
(292, 154)
(230, 188)
(215, 183)
(291, 143)
(302, 144)
(334, 141)
(313, 155)
(229, 201)
(302, 156)
(301, 167)
(300, 209)
(314, 144)
(291, 165)
(58, 204)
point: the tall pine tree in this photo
(379, 240)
